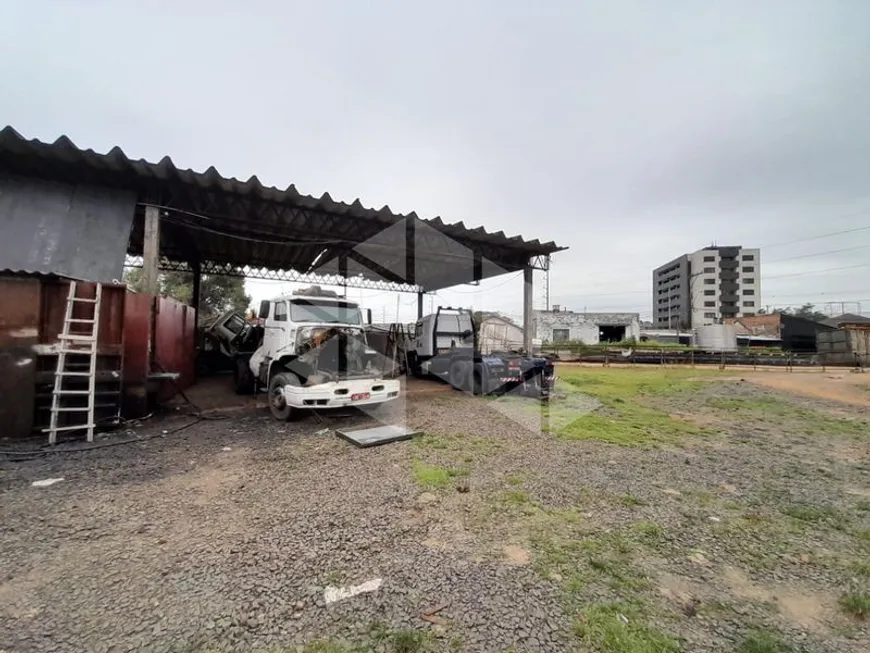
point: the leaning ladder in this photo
(80, 342)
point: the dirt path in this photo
(845, 387)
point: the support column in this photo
(196, 268)
(419, 305)
(528, 296)
(151, 250)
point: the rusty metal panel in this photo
(138, 319)
(174, 345)
(19, 310)
(19, 331)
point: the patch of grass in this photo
(811, 421)
(863, 505)
(649, 532)
(760, 641)
(619, 627)
(335, 577)
(863, 534)
(630, 501)
(860, 567)
(623, 418)
(515, 480)
(628, 425)
(819, 515)
(856, 603)
(435, 477)
(410, 641)
(768, 406)
(516, 498)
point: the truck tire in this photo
(458, 375)
(277, 406)
(243, 377)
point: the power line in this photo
(801, 274)
(469, 292)
(832, 251)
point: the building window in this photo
(709, 282)
(748, 268)
(709, 259)
(709, 304)
(709, 270)
(748, 257)
(749, 292)
(710, 315)
(749, 281)
(280, 311)
(749, 304)
(710, 293)
(560, 335)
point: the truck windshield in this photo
(306, 310)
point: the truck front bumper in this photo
(339, 394)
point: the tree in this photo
(217, 293)
(807, 311)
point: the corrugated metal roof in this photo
(244, 223)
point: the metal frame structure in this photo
(206, 223)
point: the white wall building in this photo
(559, 325)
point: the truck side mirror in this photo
(369, 316)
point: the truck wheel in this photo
(277, 405)
(458, 375)
(243, 377)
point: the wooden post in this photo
(151, 250)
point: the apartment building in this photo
(707, 286)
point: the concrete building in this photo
(707, 286)
(560, 325)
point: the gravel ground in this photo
(224, 535)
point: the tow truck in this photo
(444, 345)
(313, 355)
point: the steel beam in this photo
(528, 297)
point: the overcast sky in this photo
(631, 132)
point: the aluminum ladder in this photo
(79, 342)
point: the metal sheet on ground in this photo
(376, 435)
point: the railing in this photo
(680, 355)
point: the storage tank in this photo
(716, 337)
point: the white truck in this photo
(313, 355)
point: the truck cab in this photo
(314, 354)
